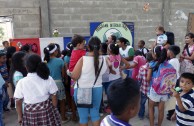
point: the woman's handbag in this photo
(84, 95)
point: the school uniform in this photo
(38, 109)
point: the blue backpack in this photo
(165, 79)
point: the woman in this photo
(127, 52)
(187, 56)
(35, 90)
(85, 72)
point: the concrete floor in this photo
(10, 119)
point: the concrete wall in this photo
(74, 16)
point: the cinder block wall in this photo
(74, 16)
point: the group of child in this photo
(43, 85)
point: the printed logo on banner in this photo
(119, 29)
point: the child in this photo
(127, 52)
(141, 46)
(4, 73)
(138, 61)
(184, 113)
(161, 36)
(35, 90)
(160, 56)
(142, 75)
(124, 100)
(172, 52)
(57, 72)
(78, 43)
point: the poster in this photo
(33, 42)
(44, 42)
(120, 29)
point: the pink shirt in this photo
(140, 61)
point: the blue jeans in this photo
(128, 72)
(1, 111)
(93, 112)
(142, 105)
(105, 86)
(5, 97)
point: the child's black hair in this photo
(94, 45)
(121, 94)
(26, 48)
(35, 65)
(69, 49)
(77, 39)
(190, 35)
(114, 38)
(104, 47)
(149, 57)
(161, 56)
(2, 53)
(138, 53)
(4, 42)
(188, 76)
(114, 48)
(175, 49)
(47, 51)
(123, 40)
(17, 64)
(142, 42)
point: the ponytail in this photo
(161, 55)
(43, 71)
(96, 59)
(46, 54)
(94, 45)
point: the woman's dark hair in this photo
(34, 64)
(138, 53)
(149, 57)
(10, 51)
(161, 56)
(104, 48)
(94, 45)
(47, 52)
(17, 64)
(26, 48)
(69, 49)
(59, 50)
(175, 49)
(190, 35)
(123, 40)
(122, 94)
(114, 38)
(188, 76)
(77, 39)
(114, 48)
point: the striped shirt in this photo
(186, 118)
(111, 120)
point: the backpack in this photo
(142, 51)
(165, 79)
(170, 37)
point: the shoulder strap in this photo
(98, 73)
(187, 49)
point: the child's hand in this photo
(176, 94)
(20, 120)
(173, 117)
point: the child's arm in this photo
(149, 75)
(19, 110)
(54, 100)
(179, 102)
(173, 117)
(110, 66)
(126, 66)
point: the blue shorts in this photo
(84, 113)
(61, 90)
(156, 97)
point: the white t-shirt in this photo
(34, 89)
(161, 39)
(87, 76)
(144, 50)
(176, 64)
(105, 76)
